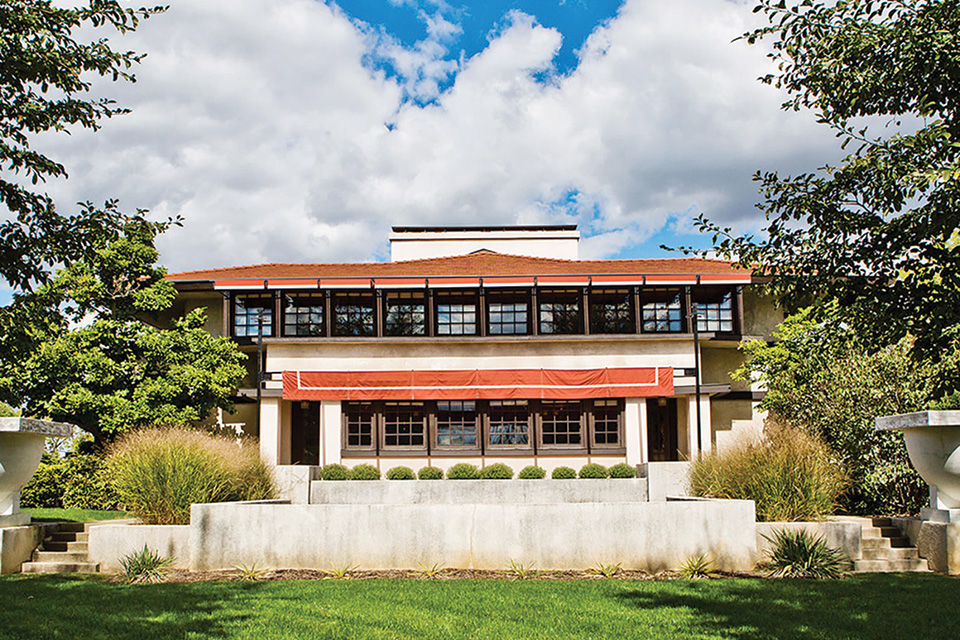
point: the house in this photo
(483, 345)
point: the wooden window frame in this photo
(557, 296)
(494, 296)
(730, 294)
(505, 448)
(338, 296)
(457, 297)
(590, 411)
(384, 447)
(345, 428)
(413, 295)
(644, 301)
(291, 295)
(580, 446)
(599, 292)
(269, 315)
(434, 426)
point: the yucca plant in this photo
(607, 570)
(144, 566)
(696, 567)
(798, 554)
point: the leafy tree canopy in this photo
(78, 349)
(44, 81)
(876, 233)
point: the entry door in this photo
(662, 430)
(305, 433)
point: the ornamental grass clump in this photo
(790, 474)
(498, 471)
(158, 473)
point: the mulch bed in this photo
(236, 575)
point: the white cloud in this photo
(263, 124)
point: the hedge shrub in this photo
(401, 473)
(364, 472)
(463, 471)
(498, 471)
(623, 470)
(594, 471)
(563, 473)
(77, 481)
(532, 472)
(47, 485)
(334, 472)
(430, 473)
(159, 473)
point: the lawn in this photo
(73, 515)
(862, 607)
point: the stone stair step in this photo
(71, 526)
(881, 532)
(882, 522)
(59, 556)
(62, 536)
(82, 537)
(890, 566)
(60, 567)
(54, 545)
(77, 547)
(902, 553)
(884, 543)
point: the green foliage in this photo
(463, 471)
(334, 472)
(401, 473)
(696, 567)
(798, 554)
(498, 471)
(46, 487)
(950, 401)
(46, 75)
(623, 470)
(251, 573)
(116, 372)
(876, 232)
(6, 411)
(521, 571)
(790, 474)
(594, 471)
(563, 473)
(144, 566)
(364, 472)
(159, 473)
(430, 473)
(532, 472)
(607, 569)
(828, 384)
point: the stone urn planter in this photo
(933, 442)
(21, 445)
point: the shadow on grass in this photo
(60, 606)
(867, 606)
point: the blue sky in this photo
(302, 130)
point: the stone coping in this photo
(33, 425)
(917, 420)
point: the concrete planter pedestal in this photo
(21, 445)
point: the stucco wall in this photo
(109, 543)
(649, 536)
(844, 536)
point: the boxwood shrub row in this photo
(464, 471)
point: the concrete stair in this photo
(64, 551)
(885, 549)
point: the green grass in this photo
(863, 607)
(73, 515)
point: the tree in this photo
(827, 382)
(78, 348)
(873, 234)
(44, 82)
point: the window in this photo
(247, 309)
(509, 423)
(611, 311)
(353, 314)
(507, 314)
(605, 415)
(405, 314)
(403, 424)
(714, 309)
(303, 315)
(560, 312)
(358, 420)
(456, 314)
(560, 422)
(456, 423)
(662, 311)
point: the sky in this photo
(302, 130)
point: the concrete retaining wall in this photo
(108, 543)
(640, 535)
(665, 479)
(844, 536)
(413, 492)
(293, 481)
(937, 542)
(17, 545)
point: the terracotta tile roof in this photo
(479, 263)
